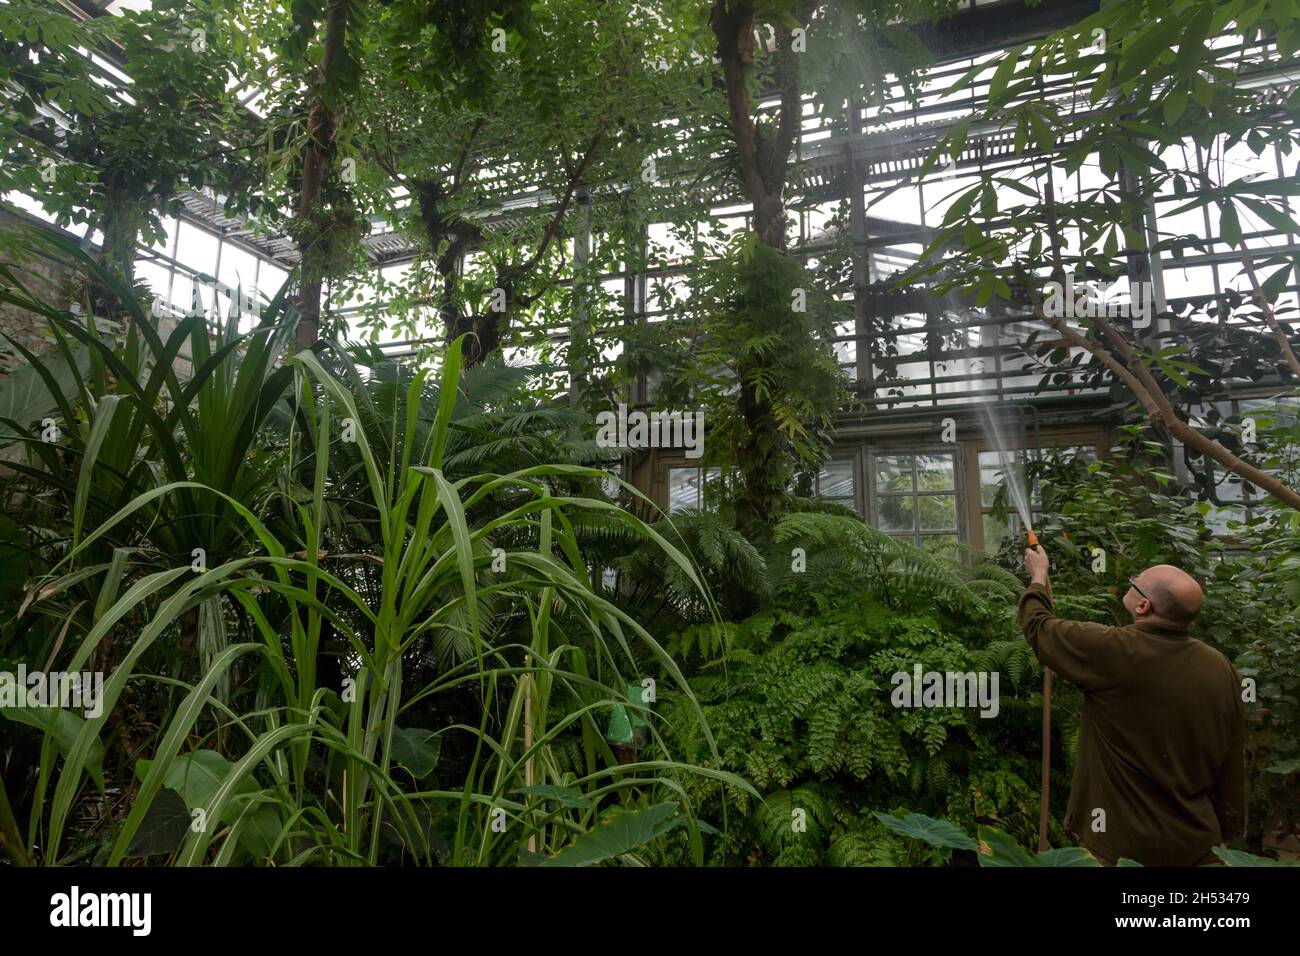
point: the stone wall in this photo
(42, 276)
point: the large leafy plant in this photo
(268, 763)
(800, 697)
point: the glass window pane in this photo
(934, 472)
(996, 530)
(897, 513)
(836, 479)
(894, 473)
(993, 466)
(153, 274)
(197, 249)
(269, 279)
(683, 488)
(711, 488)
(190, 296)
(937, 512)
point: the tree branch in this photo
(733, 25)
(456, 181)
(1283, 342)
(1160, 411)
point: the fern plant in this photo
(800, 697)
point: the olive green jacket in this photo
(1160, 774)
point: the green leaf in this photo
(1002, 76)
(62, 726)
(25, 395)
(1174, 104)
(196, 776)
(932, 831)
(1067, 856)
(1285, 767)
(417, 750)
(262, 827)
(567, 796)
(1191, 42)
(1140, 52)
(621, 832)
(957, 138)
(1229, 225)
(164, 826)
(15, 560)
(962, 205)
(1043, 134)
(1001, 849)
(99, 430)
(1242, 858)
(1275, 217)
(1100, 87)
(1202, 91)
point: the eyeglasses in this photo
(1134, 584)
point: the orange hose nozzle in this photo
(1033, 539)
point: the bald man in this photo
(1160, 774)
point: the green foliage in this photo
(800, 695)
(999, 849)
(117, 161)
(1146, 95)
(618, 834)
(761, 365)
(214, 668)
(934, 832)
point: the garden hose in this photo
(1047, 738)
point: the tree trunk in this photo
(321, 128)
(121, 224)
(763, 163)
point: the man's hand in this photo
(1036, 564)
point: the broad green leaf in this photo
(62, 726)
(25, 395)
(932, 831)
(1242, 858)
(196, 776)
(621, 832)
(164, 826)
(417, 750)
(1067, 856)
(1000, 849)
(261, 829)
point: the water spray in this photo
(1019, 498)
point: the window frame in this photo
(1097, 438)
(915, 449)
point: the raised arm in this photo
(1080, 651)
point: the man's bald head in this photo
(1172, 594)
